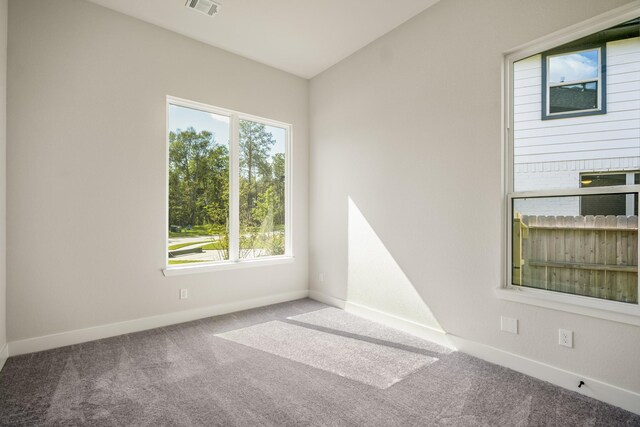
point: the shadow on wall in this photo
(376, 281)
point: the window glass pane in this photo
(603, 180)
(606, 204)
(198, 186)
(592, 255)
(573, 67)
(262, 190)
(575, 97)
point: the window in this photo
(609, 204)
(228, 183)
(573, 83)
(573, 183)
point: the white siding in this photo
(567, 206)
(551, 154)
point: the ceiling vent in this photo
(208, 7)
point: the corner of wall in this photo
(4, 9)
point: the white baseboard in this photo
(78, 336)
(4, 355)
(625, 399)
(327, 299)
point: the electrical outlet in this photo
(321, 277)
(565, 338)
(184, 294)
(509, 324)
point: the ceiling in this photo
(302, 37)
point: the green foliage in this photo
(256, 170)
(268, 203)
(267, 239)
(279, 170)
(196, 231)
(198, 179)
(220, 243)
(271, 242)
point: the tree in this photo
(268, 205)
(198, 179)
(279, 170)
(255, 147)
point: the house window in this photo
(228, 179)
(609, 204)
(573, 183)
(574, 83)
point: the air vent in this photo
(207, 7)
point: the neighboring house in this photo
(577, 122)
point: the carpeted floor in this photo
(293, 364)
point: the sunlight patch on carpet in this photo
(369, 363)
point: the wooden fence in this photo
(595, 256)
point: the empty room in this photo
(333, 213)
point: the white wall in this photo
(3, 174)
(86, 166)
(371, 270)
(409, 128)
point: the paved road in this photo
(177, 240)
(197, 242)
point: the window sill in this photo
(225, 265)
(586, 306)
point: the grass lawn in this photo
(185, 261)
(214, 246)
(182, 245)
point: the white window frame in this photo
(234, 193)
(600, 109)
(594, 307)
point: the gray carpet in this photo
(370, 363)
(253, 368)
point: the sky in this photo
(182, 118)
(575, 66)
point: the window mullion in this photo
(234, 190)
